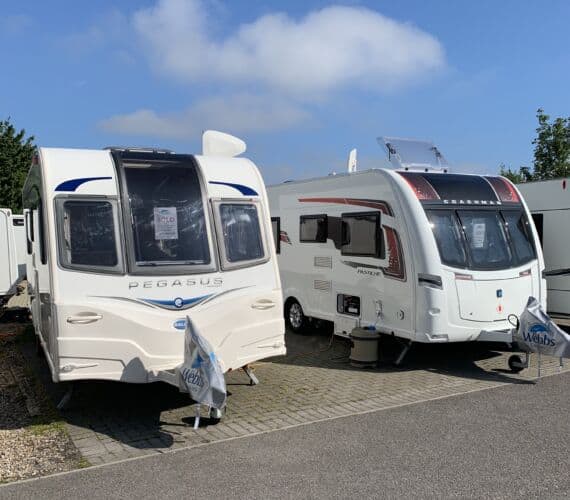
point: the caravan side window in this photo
(29, 230)
(362, 235)
(276, 228)
(313, 228)
(240, 227)
(539, 224)
(88, 235)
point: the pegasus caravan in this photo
(417, 252)
(12, 251)
(126, 243)
(549, 203)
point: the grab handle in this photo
(263, 304)
(84, 319)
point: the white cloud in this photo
(327, 49)
(237, 113)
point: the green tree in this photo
(551, 152)
(523, 174)
(551, 147)
(16, 154)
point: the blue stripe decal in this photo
(177, 303)
(72, 184)
(245, 190)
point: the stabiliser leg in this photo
(249, 372)
(64, 401)
(405, 350)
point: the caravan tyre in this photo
(294, 317)
(515, 363)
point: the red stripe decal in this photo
(360, 202)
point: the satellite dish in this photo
(216, 143)
(352, 161)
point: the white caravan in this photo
(417, 252)
(549, 204)
(12, 251)
(126, 243)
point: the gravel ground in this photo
(33, 440)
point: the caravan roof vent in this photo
(411, 154)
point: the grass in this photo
(50, 420)
(40, 429)
(83, 463)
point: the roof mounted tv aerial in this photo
(215, 143)
(412, 154)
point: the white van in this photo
(12, 251)
(125, 243)
(549, 204)
(416, 252)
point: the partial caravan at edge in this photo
(416, 252)
(125, 243)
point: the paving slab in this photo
(314, 382)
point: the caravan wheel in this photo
(294, 316)
(515, 363)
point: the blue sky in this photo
(301, 82)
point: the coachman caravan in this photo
(126, 243)
(12, 251)
(549, 204)
(417, 252)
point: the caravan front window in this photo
(241, 230)
(167, 214)
(448, 237)
(521, 235)
(483, 239)
(87, 234)
(486, 239)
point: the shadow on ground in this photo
(154, 416)
(321, 348)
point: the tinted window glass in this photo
(538, 220)
(447, 235)
(89, 234)
(313, 228)
(276, 228)
(361, 234)
(486, 239)
(461, 187)
(167, 214)
(521, 235)
(242, 232)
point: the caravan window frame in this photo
(226, 264)
(121, 161)
(59, 207)
(380, 252)
(276, 234)
(28, 223)
(468, 261)
(320, 217)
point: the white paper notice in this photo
(165, 223)
(478, 235)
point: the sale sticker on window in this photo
(165, 223)
(479, 235)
